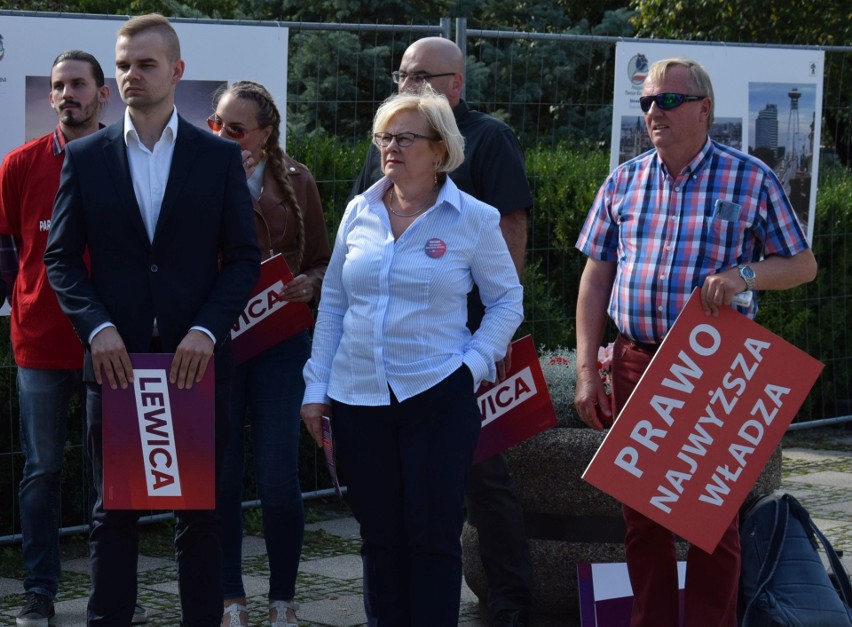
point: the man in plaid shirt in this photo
(690, 213)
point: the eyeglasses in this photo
(216, 125)
(403, 140)
(418, 78)
(666, 101)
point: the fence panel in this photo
(556, 92)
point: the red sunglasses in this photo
(217, 125)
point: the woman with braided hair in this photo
(269, 387)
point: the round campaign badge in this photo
(436, 248)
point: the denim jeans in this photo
(268, 391)
(44, 398)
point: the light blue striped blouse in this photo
(393, 312)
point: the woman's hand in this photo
(249, 164)
(312, 414)
(299, 290)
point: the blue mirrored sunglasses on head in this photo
(666, 101)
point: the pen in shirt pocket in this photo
(727, 210)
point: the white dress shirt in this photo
(149, 169)
(393, 312)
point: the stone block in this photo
(567, 520)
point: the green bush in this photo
(815, 316)
(335, 164)
(564, 180)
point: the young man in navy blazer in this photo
(164, 212)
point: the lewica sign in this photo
(268, 319)
(159, 441)
(156, 431)
(518, 407)
(507, 395)
(701, 424)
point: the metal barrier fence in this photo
(555, 90)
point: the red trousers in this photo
(712, 579)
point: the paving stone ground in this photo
(817, 469)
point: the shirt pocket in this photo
(724, 234)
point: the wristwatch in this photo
(747, 275)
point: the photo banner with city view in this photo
(768, 103)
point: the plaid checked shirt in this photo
(667, 234)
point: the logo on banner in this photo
(637, 69)
(261, 306)
(156, 430)
(507, 395)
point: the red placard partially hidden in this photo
(516, 409)
(159, 442)
(702, 422)
(268, 319)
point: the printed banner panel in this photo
(701, 424)
(767, 101)
(30, 43)
(159, 442)
(516, 409)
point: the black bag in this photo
(783, 580)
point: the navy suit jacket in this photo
(199, 269)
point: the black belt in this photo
(642, 346)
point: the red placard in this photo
(159, 442)
(267, 318)
(516, 409)
(328, 451)
(702, 422)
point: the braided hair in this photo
(268, 115)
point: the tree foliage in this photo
(746, 21)
(802, 22)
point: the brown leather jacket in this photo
(277, 224)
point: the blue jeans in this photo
(44, 398)
(268, 389)
(405, 466)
